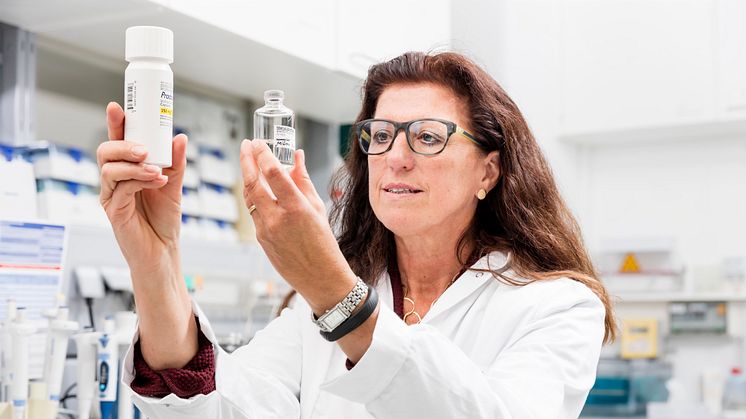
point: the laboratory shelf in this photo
(660, 297)
(97, 246)
(726, 128)
(636, 245)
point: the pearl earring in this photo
(481, 194)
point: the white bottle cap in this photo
(149, 42)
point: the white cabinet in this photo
(301, 28)
(370, 32)
(346, 36)
(637, 63)
(236, 47)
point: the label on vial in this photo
(131, 97)
(167, 104)
(284, 143)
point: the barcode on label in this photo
(284, 154)
(130, 97)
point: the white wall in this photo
(518, 42)
(690, 190)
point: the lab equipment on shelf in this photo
(58, 335)
(698, 317)
(107, 368)
(623, 388)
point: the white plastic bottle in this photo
(275, 123)
(148, 91)
(734, 396)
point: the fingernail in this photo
(163, 177)
(152, 169)
(139, 150)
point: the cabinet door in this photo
(731, 72)
(636, 63)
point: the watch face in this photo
(333, 319)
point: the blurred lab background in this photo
(640, 106)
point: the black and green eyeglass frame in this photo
(452, 128)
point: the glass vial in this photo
(275, 123)
(148, 91)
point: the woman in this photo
(477, 297)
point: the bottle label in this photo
(167, 104)
(148, 104)
(284, 143)
(131, 97)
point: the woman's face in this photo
(416, 195)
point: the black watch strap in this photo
(354, 321)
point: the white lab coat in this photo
(484, 350)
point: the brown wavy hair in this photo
(524, 214)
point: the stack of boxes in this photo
(190, 206)
(62, 184)
(17, 184)
(209, 208)
(66, 185)
(67, 182)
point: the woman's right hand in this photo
(142, 202)
(144, 208)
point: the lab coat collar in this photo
(465, 285)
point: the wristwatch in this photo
(335, 316)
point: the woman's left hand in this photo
(292, 228)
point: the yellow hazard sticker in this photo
(630, 264)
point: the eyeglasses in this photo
(425, 136)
